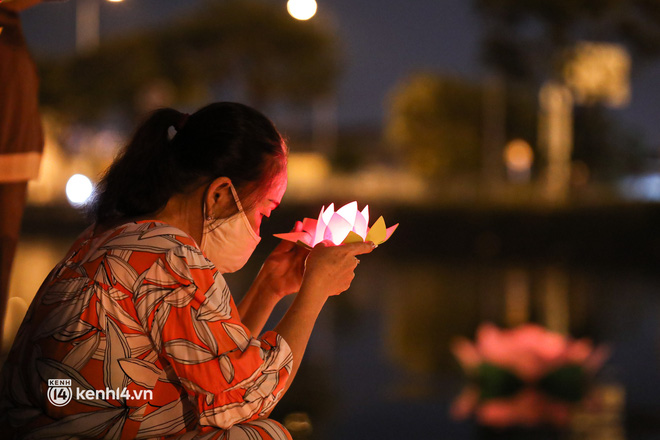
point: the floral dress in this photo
(136, 335)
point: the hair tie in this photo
(182, 121)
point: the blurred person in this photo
(21, 138)
(134, 334)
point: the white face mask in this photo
(229, 244)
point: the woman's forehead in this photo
(277, 189)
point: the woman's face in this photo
(268, 203)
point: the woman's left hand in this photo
(283, 269)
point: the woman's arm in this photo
(329, 271)
(280, 275)
(258, 304)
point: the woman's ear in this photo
(219, 199)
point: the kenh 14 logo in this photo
(59, 391)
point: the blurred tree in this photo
(250, 45)
(436, 122)
(531, 40)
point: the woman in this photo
(139, 305)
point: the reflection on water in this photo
(379, 365)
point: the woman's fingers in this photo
(333, 267)
(360, 248)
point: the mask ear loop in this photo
(242, 213)
(208, 219)
(235, 194)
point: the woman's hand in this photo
(330, 269)
(283, 269)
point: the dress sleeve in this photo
(186, 306)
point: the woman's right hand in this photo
(329, 269)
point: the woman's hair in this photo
(222, 139)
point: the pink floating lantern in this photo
(346, 225)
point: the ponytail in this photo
(222, 139)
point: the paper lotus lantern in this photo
(525, 376)
(346, 225)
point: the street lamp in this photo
(301, 9)
(88, 19)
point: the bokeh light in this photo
(518, 158)
(518, 155)
(301, 9)
(78, 189)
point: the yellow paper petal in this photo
(352, 237)
(377, 233)
(303, 244)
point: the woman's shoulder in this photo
(138, 244)
(166, 254)
(145, 236)
(144, 250)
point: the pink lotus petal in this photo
(525, 408)
(492, 345)
(337, 230)
(348, 212)
(365, 214)
(465, 403)
(309, 225)
(389, 231)
(320, 229)
(303, 236)
(360, 226)
(497, 413)
(328, 213)
(547, 345)
(506, 348)
(466, 353)
(578, 351)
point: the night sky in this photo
(383, 41)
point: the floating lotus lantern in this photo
(526, 376)
(346, 225)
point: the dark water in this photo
(379, 366)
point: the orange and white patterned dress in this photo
(139, 310)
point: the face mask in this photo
(229, 244)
